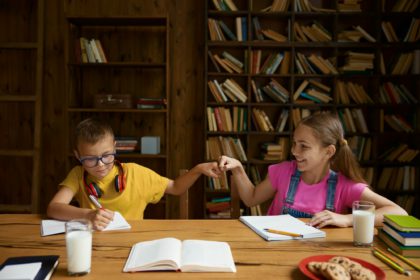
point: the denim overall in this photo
(291, 192)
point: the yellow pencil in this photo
(283, 232)
(390, 263)
(404, 259)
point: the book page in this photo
(280, 223)
(160, 254)
(209, 256)
(50, 227)
(20, 271)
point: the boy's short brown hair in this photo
(92, 130)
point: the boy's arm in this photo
(60, 209)
(186, 180)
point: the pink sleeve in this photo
(348, 191)
(279, 176)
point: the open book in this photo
(186, 256)
(50, 227)
(29, 267)
(281, 223)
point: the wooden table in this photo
(254, 257)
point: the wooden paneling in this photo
(186, 25)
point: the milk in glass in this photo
(79, 246)
(363, 223)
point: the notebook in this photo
(50, 227)
(285, 223)
(29, 267)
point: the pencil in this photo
(390, 263)
(283, 232)
(404, 259)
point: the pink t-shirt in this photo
(311, 198)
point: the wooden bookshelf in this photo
(137, 65)
(351, 90)
(21, 90)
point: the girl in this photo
(321, 183)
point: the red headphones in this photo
(119, 182)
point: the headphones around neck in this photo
(119, 182)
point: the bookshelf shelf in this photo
(375, 80)
(137, 66)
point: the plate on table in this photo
(380, 274)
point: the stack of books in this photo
(151, 103)
(126, 144)
(402, 234)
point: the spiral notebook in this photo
(281, 223)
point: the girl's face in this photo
(307, 149)
(104, 148)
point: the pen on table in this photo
(404, 259)
(95, 201)
(390, 263)
(283, 232)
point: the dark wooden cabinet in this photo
(138, 66)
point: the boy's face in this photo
(103, 147)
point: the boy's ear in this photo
(76, 154)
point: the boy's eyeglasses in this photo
(93, 161)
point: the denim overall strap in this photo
(332, 182)
(294, 182)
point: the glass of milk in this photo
(363, 223)
(79, 246)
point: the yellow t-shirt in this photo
(143, 186)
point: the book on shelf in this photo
(365, 34)
(186, 256)
(403, 222)
(405, 238)
(29, 267)
(406, 251)
(286, 223)
(273, 35)
(227, 31)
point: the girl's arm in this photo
(382, 206)
(249, 194)
(185, 181)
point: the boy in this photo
(123, 187)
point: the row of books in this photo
(314, 64)
(401, 234)
(314, 32)
(275, 151)
(225, 119)
(308, 6)
(126, 144)
(397, 122)
(397, 178)
(412, 34)
(230, 146)
(229, 90)
(313, 90)
(390, 93)
(90, 51)
(220, 183)
(350, 91)
(400, 153)
(353, 120)
(273, 89)
(361, 147)
(357, 62)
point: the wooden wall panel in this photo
(186, 21)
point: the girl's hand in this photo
(100, 218)
(325, 218)
(228, 163)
